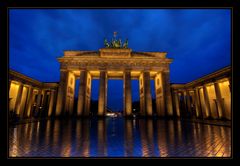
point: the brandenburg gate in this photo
(114, 62)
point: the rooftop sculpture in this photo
(115, 43)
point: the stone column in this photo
(168, 96)
(71, 85)
(142, 95)
(9, 85)
(230, 83)
(148, 96)
(220, 103)
(81, 93)
(188, 103)
(197, 103)
(88, 94)
(50, 108)
(102, 99)
(206, 100)
(127, 94)
(30, 101)
(160, 104)
(84, 94)
(39, 99)
(177, 103)
(44, 104)
(18, 99)
(62, 92)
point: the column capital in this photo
(166, 71)
(63, 70)
(82, 70)
(127, 70)
(196, 88)
(145, 71)
(102, 70)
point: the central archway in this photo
(115, 96)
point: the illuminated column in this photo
(18, 99)
(220, 103)
(160, 105)
(127, 94)
(62, 92)
(177, 103)
(43, 104)
(30, 101)
(50, 108)
(102, 99)
(206, 100)
(197, 103)
(184, 93)
(145, 94)
(148, 96)
(167, 92)
(81, 93)
(188, 103)
(142, 95)
(39, 98)
(88, 94)
(9, 85)
(71, 91)
(230, 83)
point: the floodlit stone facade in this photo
(113, 63)
(208, 97)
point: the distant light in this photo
(111, 114)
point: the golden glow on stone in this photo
(13, 95)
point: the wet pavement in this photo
(119, 137)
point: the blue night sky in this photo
(198, 40)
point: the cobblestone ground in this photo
(118, 137)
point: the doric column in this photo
(81, 93)
(206, 100)
(148, 96)
(30, 101)
(71, 91)
(88, 94)
(18, 99)
(9, 85)
(39, 99)
(142, 95)
(160, 104)
(102, 99)
(84, 94)
(50, 108)
(220, 103)
(62, 91)
(44, 104)
(168, 96)
(230, 83)
(176, 98)
(188, 103)
(127, 94)
(197, 103)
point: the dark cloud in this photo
(197, 40)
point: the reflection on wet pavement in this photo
(118, 137)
